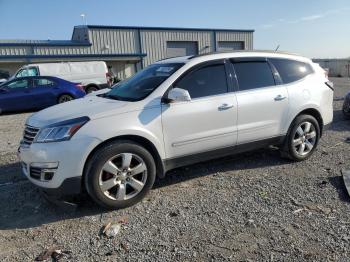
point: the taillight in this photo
(80, 86)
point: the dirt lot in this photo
(253, 206)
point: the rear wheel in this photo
(120, 174)
(302, 139)
(90, 89)
(346, 114)
(65, 98)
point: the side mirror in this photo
(178, 95)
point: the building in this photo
(125, 49)
(335, 67)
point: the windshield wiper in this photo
(114, 97)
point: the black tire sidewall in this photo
(90, 89)
(65, 95)
(295, 125)
(101, 157)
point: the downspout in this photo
(215, 47)
(140, 46)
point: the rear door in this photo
(208, 121)
(44, 92)
(262, 103)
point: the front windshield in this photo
(142, 83)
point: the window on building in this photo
(251, 75)
(206, 81)
(291, 70)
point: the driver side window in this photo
(209, 80)
(18, 84)
(32, 71)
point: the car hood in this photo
(90, 106)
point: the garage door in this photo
(230, 45)
(181, 48)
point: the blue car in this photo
(37, 92)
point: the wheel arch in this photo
(313, 112)
(134, 138)
(64, 93)
(86, 87)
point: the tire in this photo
(346, 115)
(302, 138)
(113, 186)
(64, 98)
(90, 89)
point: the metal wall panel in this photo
(181, 48)
(335, 67)
(113, 41)
(246, 37)
(226, 46)
(154, 43)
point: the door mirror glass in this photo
(178, 95)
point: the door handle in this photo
(280, 98)
(224, 107)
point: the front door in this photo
(208, 121)
(262, 105)
(15, 95)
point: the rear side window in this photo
(206, 81)
(252, 75)
(291, 70)
(43, 82)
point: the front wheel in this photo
(302, 139)
(120, 174)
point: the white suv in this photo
(178, 111)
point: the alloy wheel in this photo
(304, 138)
(65, 98)
(123, 176)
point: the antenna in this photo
(277, 48)
(83, 17)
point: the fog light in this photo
(45, 165)
(43, 171)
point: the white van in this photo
(92, 75)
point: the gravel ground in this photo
(253, 206)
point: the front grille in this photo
(35, 172)
(42, 174)
(29, 134)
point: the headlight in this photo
(61, 131)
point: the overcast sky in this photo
(314, 28)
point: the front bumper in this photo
(57, 167)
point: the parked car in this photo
(29, 93)
(4, 76)
(92, 75)
(346, 106)
(173, 113)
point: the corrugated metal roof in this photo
(17, 42)
(164, 28)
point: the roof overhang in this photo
(105, 57)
